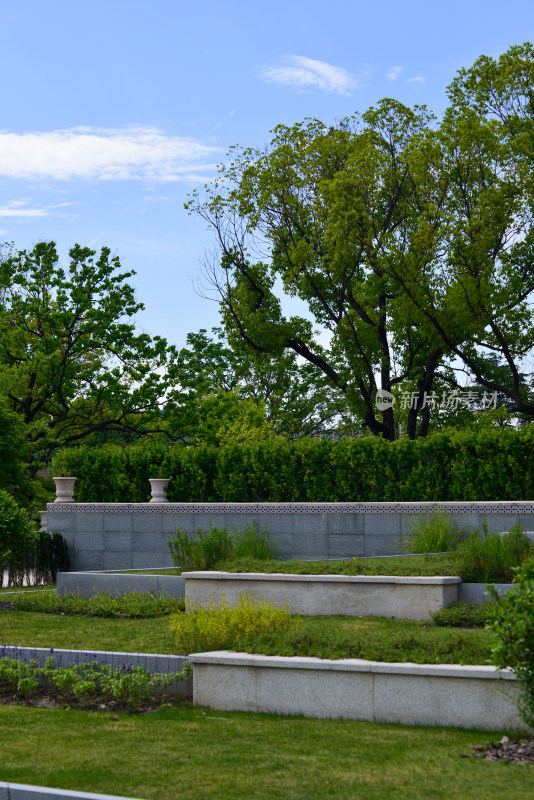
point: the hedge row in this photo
(475, 465)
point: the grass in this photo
(166, 754)
(11, 591)
(32, 629)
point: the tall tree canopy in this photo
(409, 241)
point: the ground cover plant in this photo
(249, 755)
(444, 564)
(86, 684)
(131, 604)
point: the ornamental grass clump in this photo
(216, 627)
(493, 557)
(202, 551)
(432, 533)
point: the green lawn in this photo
(199, 754)
(86, 633)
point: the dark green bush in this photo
(512, 622)
(494, 464)
(463, 615)
(16, 538)
(34, 556)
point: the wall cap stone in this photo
(228, 658)
(433, 580)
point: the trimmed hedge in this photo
(495, 464)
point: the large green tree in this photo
(322, 214)
(71, 361)
(213, 378)
(410, 241)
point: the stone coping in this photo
(432, 580)
(25, 791)
(228, 658)
(408, 507)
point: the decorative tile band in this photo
(475, 507)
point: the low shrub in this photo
(463, 615)
(133, 605)
(432, 533)
(493, 557)
(512, 623)
(216, 627)
(86, 683)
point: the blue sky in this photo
(114, 111)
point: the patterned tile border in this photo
(479, 507)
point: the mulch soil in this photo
(516, 751)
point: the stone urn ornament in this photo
(64, 490)
(158, 487)
(42, 516)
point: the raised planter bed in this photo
(410, 694)
(152, 662)
(347, 595)
(90, 583)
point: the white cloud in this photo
(103, 154)
(301, 73)
(17, 209)
(417, 79)
(394, 73)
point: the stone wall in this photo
(130, 536)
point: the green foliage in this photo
(463, 615)
(133, 605)
(488, 464)
(215, 628)
(131, 687)
(512, 622)
(202, 551)
(493, 557)
(434, 533)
